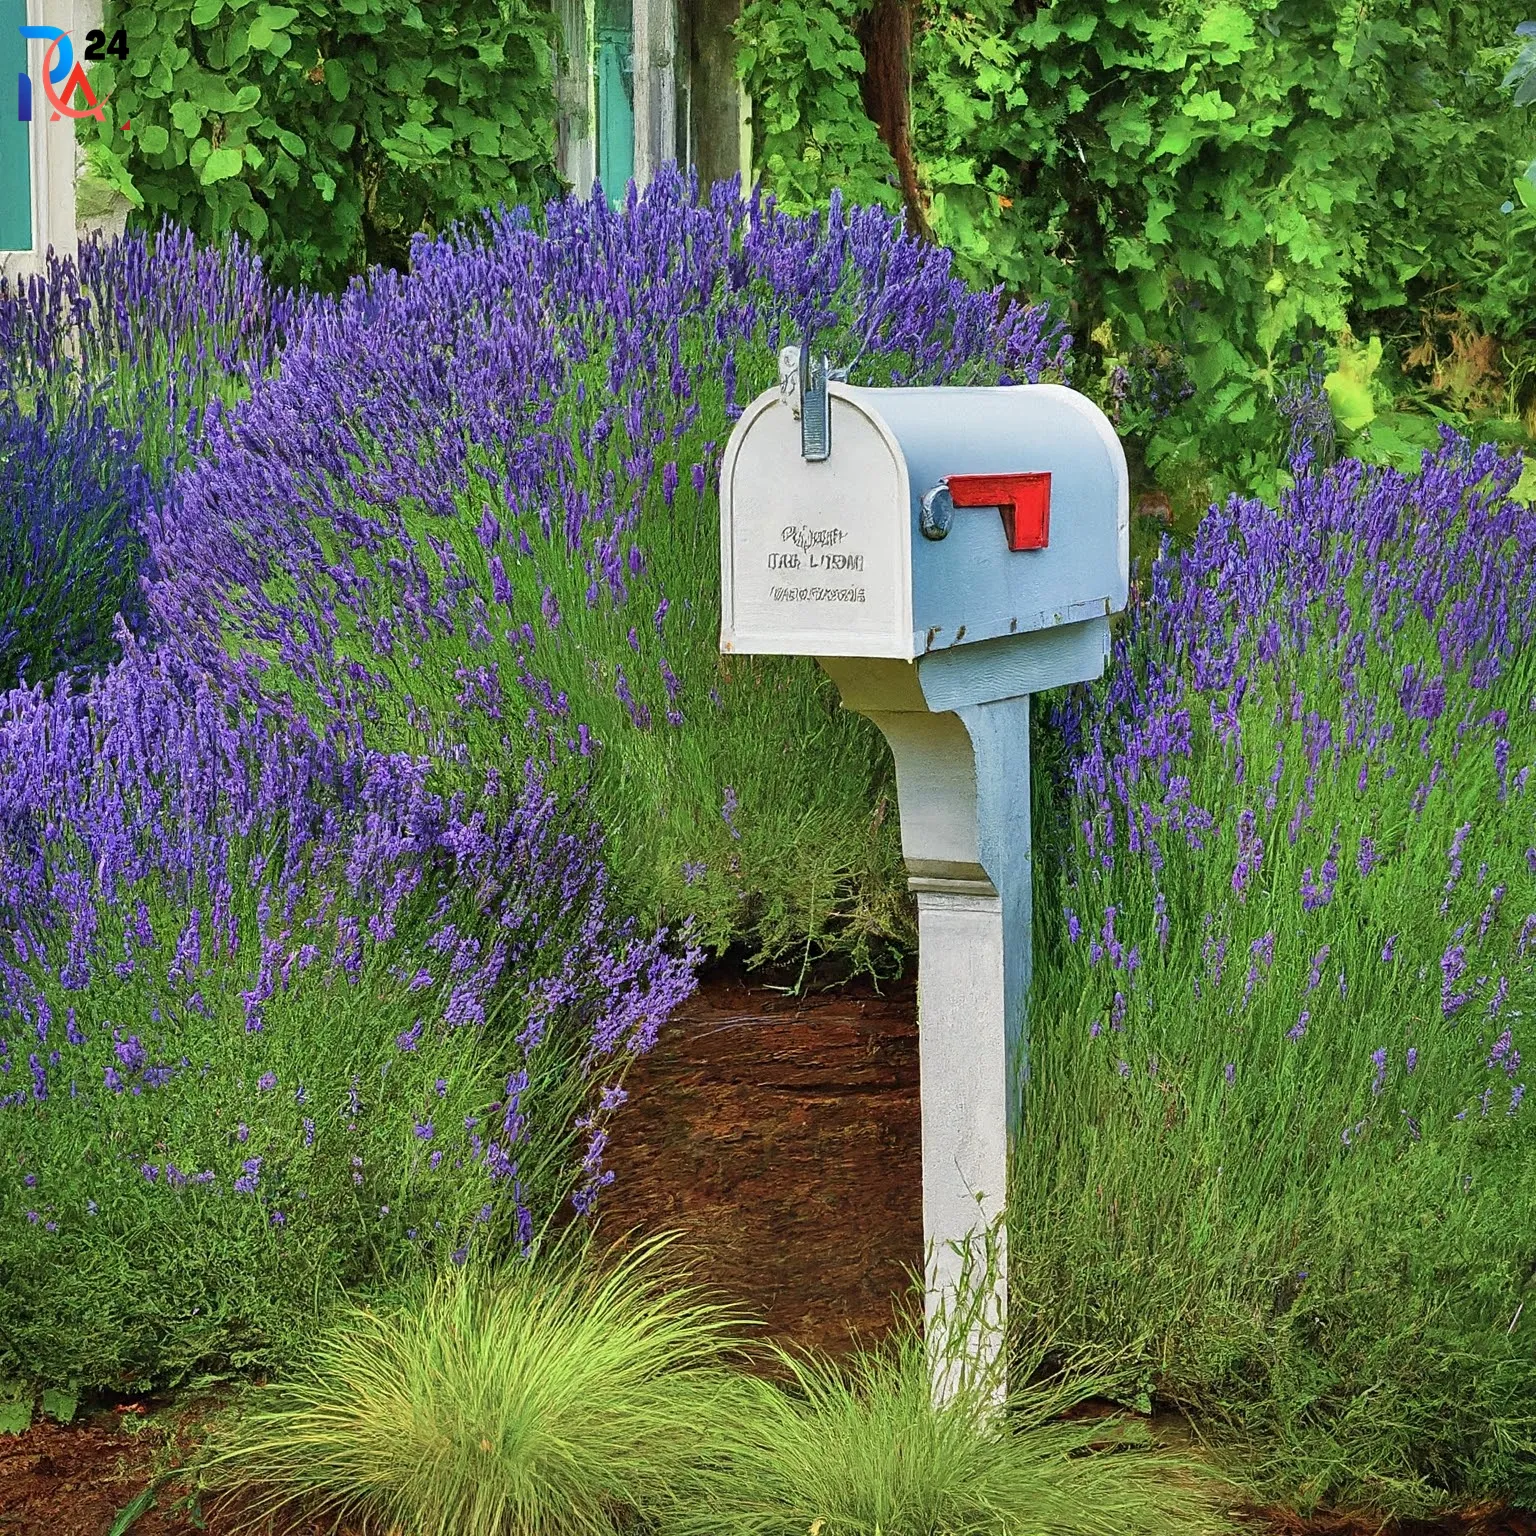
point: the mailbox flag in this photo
(1023, 499)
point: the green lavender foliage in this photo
(1276, 1141)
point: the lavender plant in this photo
(72, 496)
(478, 504)
(1276, 1135)
(278, 1021)
(150, 327)
(107, 366)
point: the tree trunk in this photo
(885, 34)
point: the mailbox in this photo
(944, 553)
(939, 518)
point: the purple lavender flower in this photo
(1453, 966)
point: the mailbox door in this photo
(815, 557)
(970, 585)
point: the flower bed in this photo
(280, 1023)
(337, 897)
(340, 899)
(478, 504)
(1276, 1142)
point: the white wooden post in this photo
(962, 782)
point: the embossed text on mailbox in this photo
(815, 555)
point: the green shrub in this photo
(278, 1022)
(328, 134)
(478, 505)
(1219, 181)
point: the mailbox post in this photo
(944, 553)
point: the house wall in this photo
(688, 105)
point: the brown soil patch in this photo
(781, 1137)
(72, 1480)
(77, 1479)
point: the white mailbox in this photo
(944, 553)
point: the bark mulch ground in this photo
(76, 1480)
(781, 1137)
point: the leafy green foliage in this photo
(1223, 181)
(1522, 73)
(801, 63)
(327, 134)
(1512, 282)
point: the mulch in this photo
(72, 1480)
(780, 1137)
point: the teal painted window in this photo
(615, 69)
(15, 137)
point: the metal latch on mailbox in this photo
(1023, 499)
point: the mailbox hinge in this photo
(803, 379)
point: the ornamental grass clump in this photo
(552, 1399)
(1277, 1136)
(861, 1450)
(581, 1400)
(478, 503)
(279, 1020)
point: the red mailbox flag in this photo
(1023, 499)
